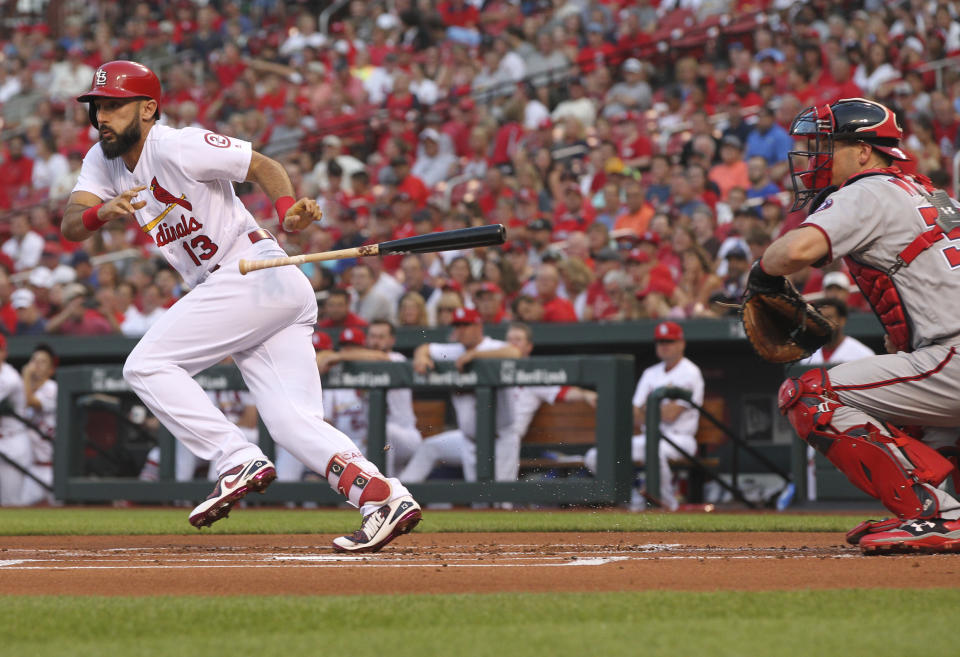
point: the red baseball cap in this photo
(488, 286)
(650, 236)
(352, 336)
(638, 255)
(322, 341)
(526, 195)
(668, 331)
(660, 281)
(465, 316)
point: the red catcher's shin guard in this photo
(357, 479)
(891, 468)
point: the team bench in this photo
(560, 434)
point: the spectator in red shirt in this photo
(458, 13)
(489, 301)
(8, 315)
(409, 183)
(17, 168)
(839, 83)
(555, 308)
(229, 65)
(598, 51)
(946, 127)
(77, 317)
(336, 312)
(460, 125)
(573, 213)
(493, 189)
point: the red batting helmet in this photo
(122, 79)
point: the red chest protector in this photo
(876, 284)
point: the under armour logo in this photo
(919, 526)
(101, 77)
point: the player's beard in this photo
(121, 142)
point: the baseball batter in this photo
(678, 419)
(899, 244)
(458, 446)
(177, 183)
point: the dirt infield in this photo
(446, 563)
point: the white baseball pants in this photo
(638, 453)
(454, 447)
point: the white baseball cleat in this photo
(382, 526)
(233, 486)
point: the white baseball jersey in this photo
(346, 409)
(465, 403)
(872, 220)
(11, 391)
(400, 400)
(849, 349)
(192, 212)
(45, 418)
(526, 402)
(684, 375)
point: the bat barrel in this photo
(449, 240)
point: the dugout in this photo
(741, 387)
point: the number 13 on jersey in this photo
(199, 248)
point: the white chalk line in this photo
(333, 562)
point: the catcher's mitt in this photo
(779, 324)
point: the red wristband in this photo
(90, 219)
(282, 205)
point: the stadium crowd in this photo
(636, 151)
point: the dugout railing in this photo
(654, 436)
(84, 388)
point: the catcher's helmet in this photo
(849, 119)
(122, 79)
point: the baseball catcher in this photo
(899, 239)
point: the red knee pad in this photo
(807, 402)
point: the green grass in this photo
(108, 521)
(779, 624)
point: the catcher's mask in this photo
(817, 128)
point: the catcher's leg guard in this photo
(893, 468)
(356, 478)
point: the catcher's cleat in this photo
(871, 527)
(382, 526)
(934, 535)
(233, 486)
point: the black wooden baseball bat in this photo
(448, 240)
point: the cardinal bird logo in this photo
(169, 199)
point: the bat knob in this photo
(243, 267)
